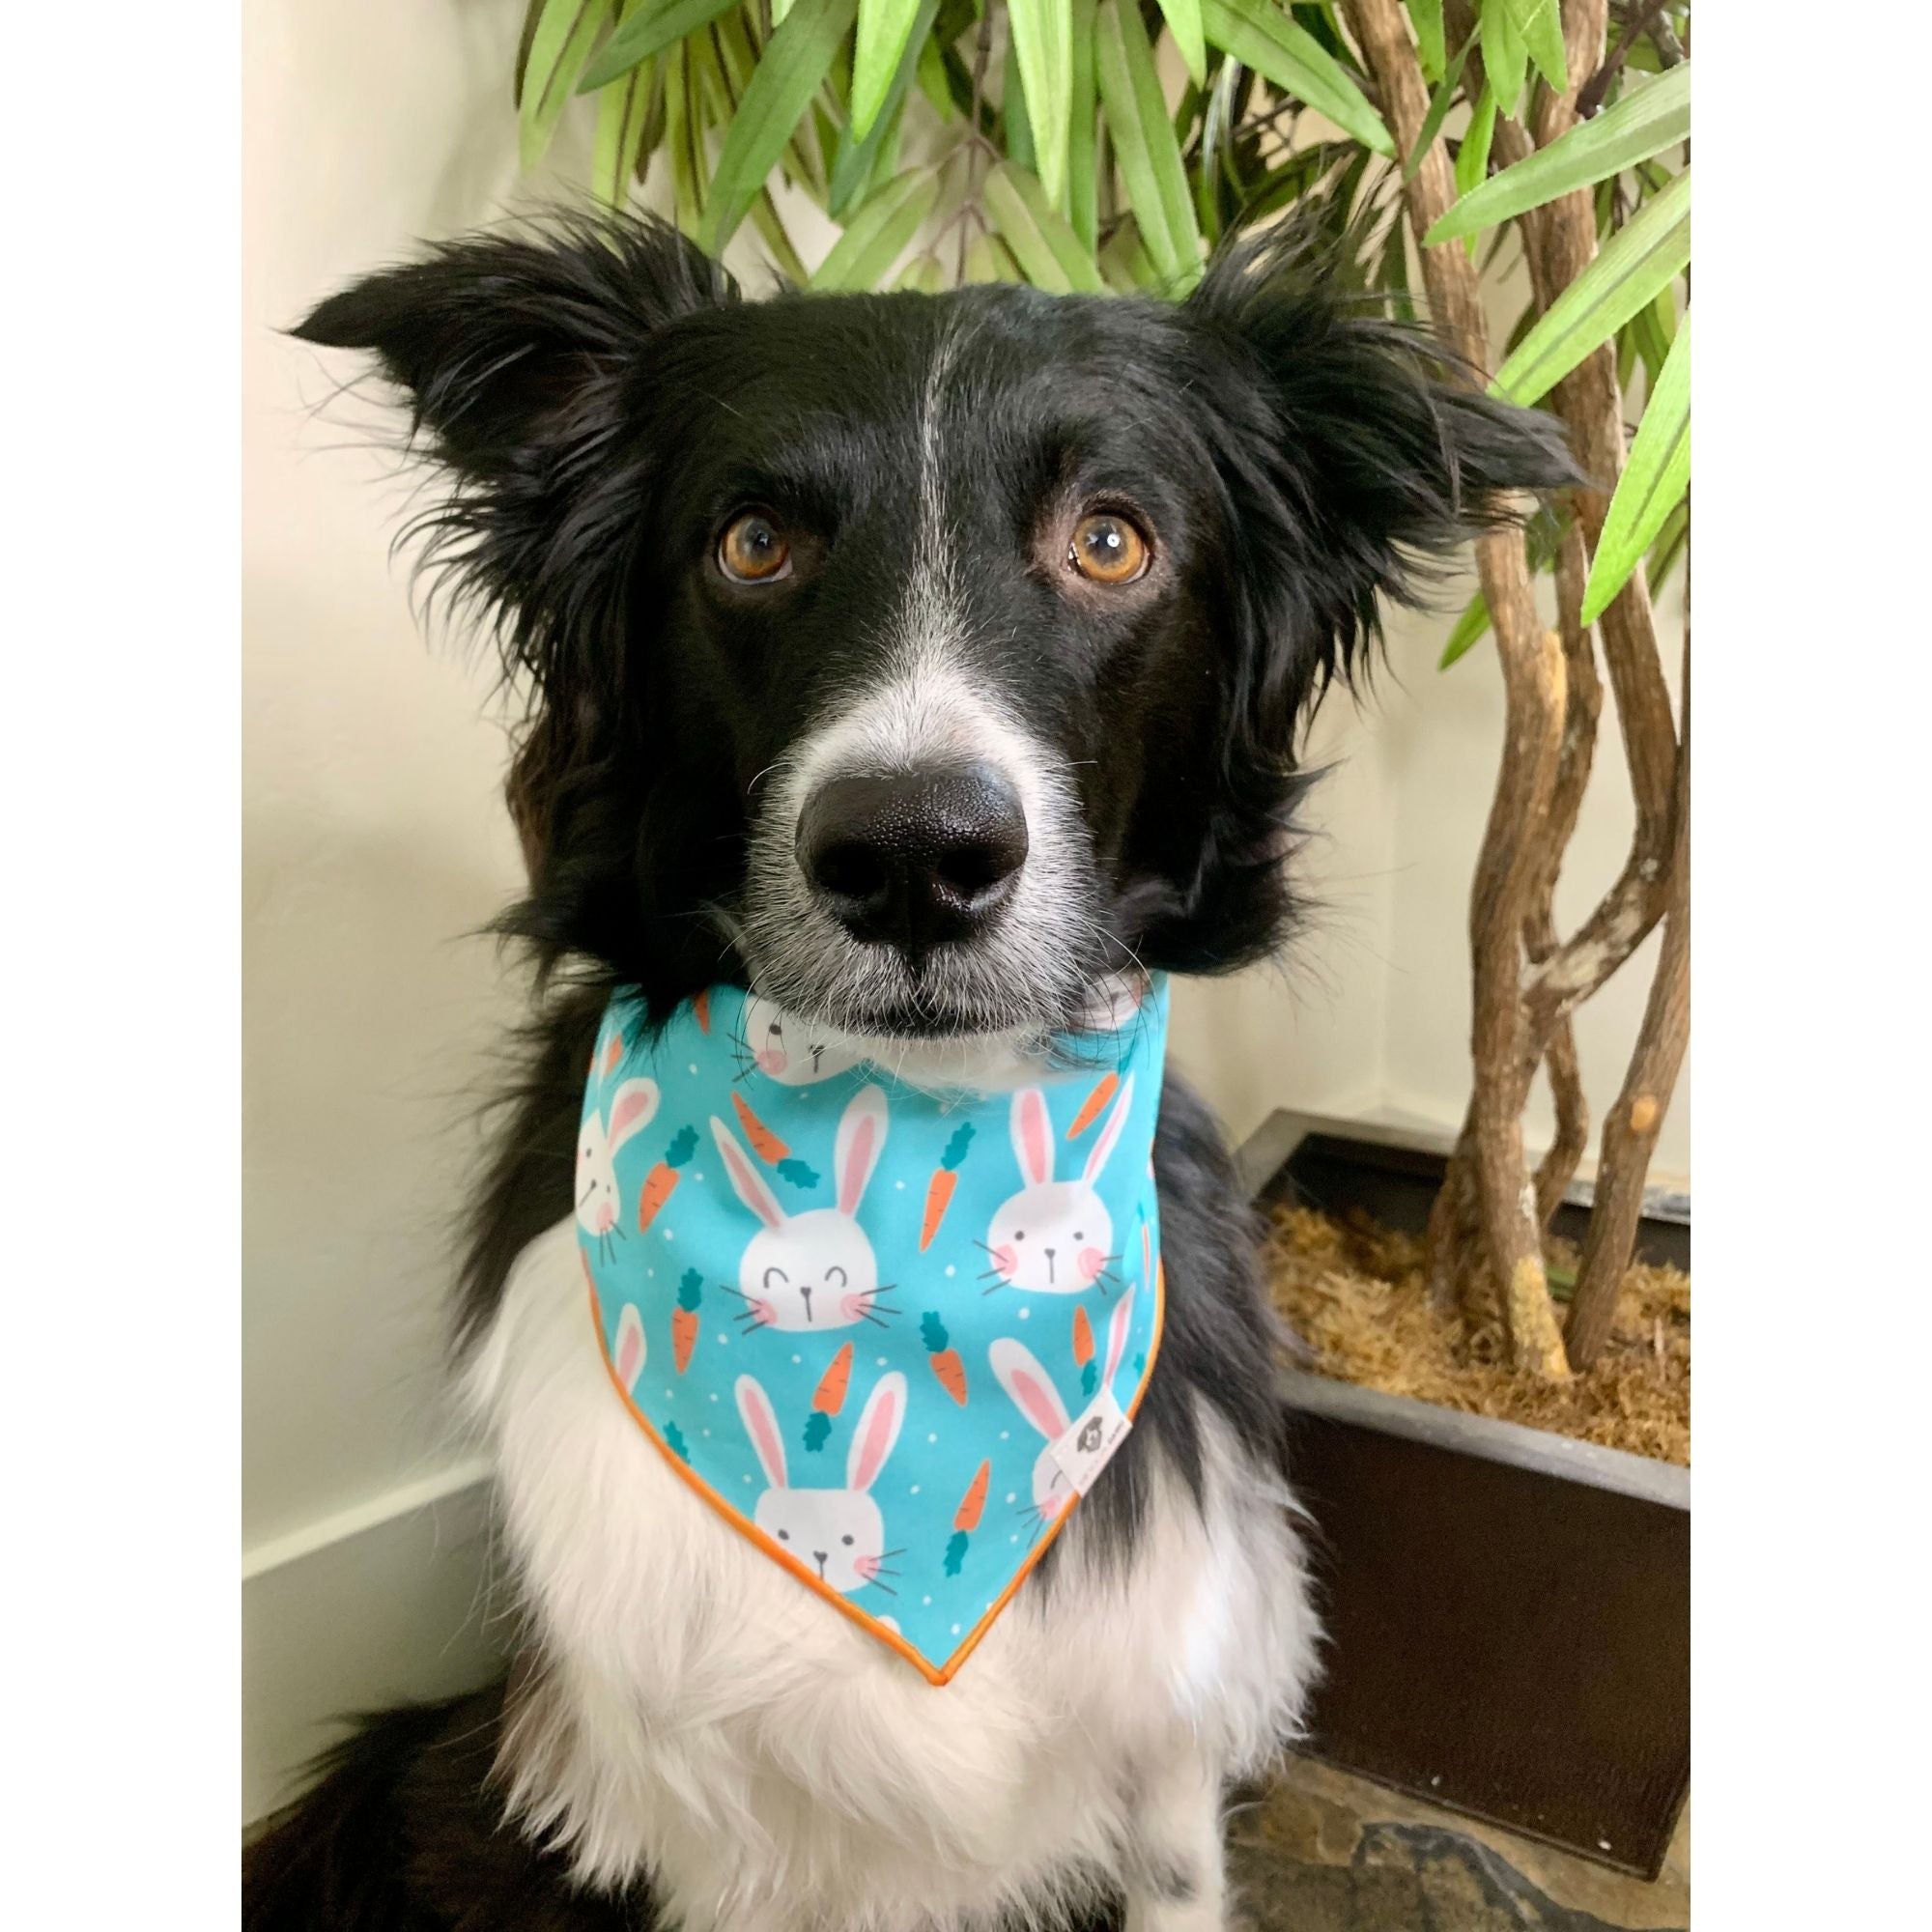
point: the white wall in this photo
(375, 842)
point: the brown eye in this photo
(1107, 548)
(753, 551)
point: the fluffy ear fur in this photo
(1354, 457)
(526, 362)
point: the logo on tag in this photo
(1091, 1439)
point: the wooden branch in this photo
(1631, 1127)
(1533, 685)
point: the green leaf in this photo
(794, 63)
(876, 237)
(1042, 241)
(1505, 58)
(1440, 104)
(1473, 158)
(1643, 257)
(1125, 263)
(1083, 127)
(1149, 156)
(1538, 26)
(886, 30)
(564, 35)
(1018, 130)
(1183, 22)
(765, 219)
(988, 259)
(922, 275)
(1653, 484)
(1042, 40)
(1426, 16)
(648, 31)
(1291, 59)
(1649, 120)
(624, 111)
(1215, 122)
(684, 141)
(858, 162)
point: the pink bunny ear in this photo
(1117, 1118)
(1117, 1336)
(1029, 1386)
(877, 1431)
(1032, 1136)
(861, 1139)
(628, 1357)
(633, 1107)
(746, 1182)
(762, 1424)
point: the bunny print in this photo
(788, 1049)
(815, 1269)
(1054, 1237)
(837, 1534)
(1036, 1398)
(631, 1109)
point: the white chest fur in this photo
(705, 1719)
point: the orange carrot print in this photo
(765, 1144)
(1095, 1105)
(1082, 1337)
(939, 1189)
(966, 1519)
(683, 1318)
(946, 1361)
(700, 1011)
(829, 1398)
(613, 1054)
(662, 1180)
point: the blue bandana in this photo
(891, 1336)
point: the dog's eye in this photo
(753, 551)
(1107, 548)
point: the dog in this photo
(1055, 583)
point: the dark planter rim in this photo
(1261, 1157)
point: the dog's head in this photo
(921, 659)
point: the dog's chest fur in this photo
(698, 1715)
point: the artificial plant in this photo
(1528, 158)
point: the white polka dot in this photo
(955, 1630)
(932, 1438)
(723, 1340)
(1011, 1539)
(901, 1186)
(669, 1236)
(1004, 1435)
(914, 1491)
(925, 1600)
(697, 1178)
(692, 1067)
(748, 1479)
(667, 1394)
(704, 1432)
(798, 1358)
(950, 1269)
(882, 1361)
(1011, 1497)
(714, 1395)
(652, 1273)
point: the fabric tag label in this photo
(1090, 1442)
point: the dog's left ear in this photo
(1357, 458)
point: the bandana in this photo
(891, 1335)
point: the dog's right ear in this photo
(507, 343)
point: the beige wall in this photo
(375, 845)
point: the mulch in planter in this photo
(1352, 1290)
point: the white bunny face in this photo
(838, 1533)
(633, 1107)
(1033, 1394)
(815, 1269)
(791, 1050)
(1054, 1237)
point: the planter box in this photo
(1508, 1611)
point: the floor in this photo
(1325, 1851)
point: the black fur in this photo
(601, 402)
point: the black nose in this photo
(916, 858)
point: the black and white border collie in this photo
(1101, 556)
